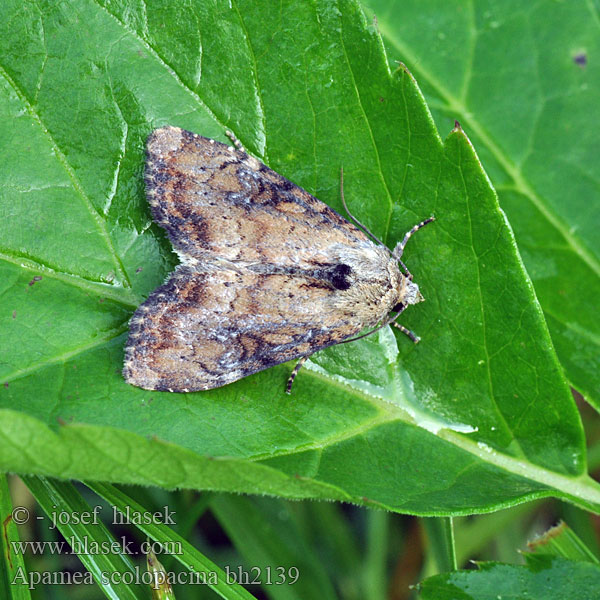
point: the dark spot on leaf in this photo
(36, 278)
(139, 269)
(580, 59)
(14, 314)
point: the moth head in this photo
(409, 294)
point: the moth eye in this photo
(339, 276)
(398, 308)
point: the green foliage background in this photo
(477, 416)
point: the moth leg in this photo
(399, 249)
(288, 389)
(235, 141)
(407, 332)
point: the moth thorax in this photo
(409, 293)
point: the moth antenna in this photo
(408, 273)
(399, 249)
(389, 321)
(356, 221)
(288, 389)
(235, 141)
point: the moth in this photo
(268, 273)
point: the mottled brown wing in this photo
(202, 330)
(212, 198)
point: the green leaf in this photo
(523, 80)
(88, 539)
(476, 416)
(544, 578)
(440, 539)
(12, 566)
(274, 551)
(201, 569)
(561, 540)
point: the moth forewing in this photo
(269, 273)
